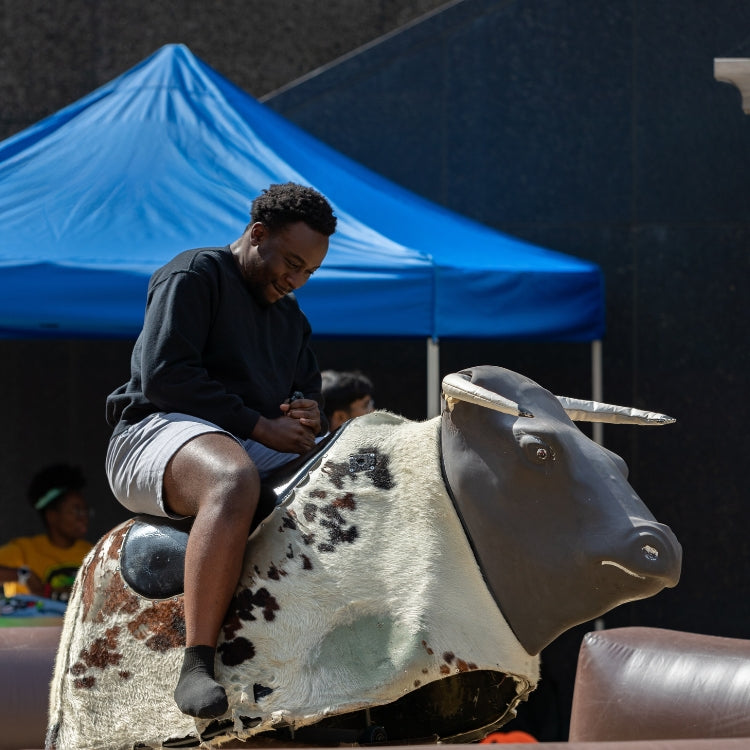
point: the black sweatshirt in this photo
(208, 349)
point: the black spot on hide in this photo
(261, 691)
(53, 731)
(248, 722)
(366, 462)
(288, 521)
(337, 533)
(244, 603)
(332, 515)
(236, 652)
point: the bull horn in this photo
(458, 388)
(580, 410)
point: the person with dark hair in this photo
(46, 564)
(223, 388)
(347, 394)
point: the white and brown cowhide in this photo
(358, 589)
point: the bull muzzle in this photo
(653, 553)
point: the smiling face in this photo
(274, 263)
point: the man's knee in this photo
(212, 471)
(235, 486)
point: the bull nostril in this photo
(650, 553)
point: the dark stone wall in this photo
(596, 129)
(53, 53)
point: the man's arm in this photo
(174, 377)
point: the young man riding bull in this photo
(209, 408)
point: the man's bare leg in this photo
(213, 479)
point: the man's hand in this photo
(306, 411)
(285, 435)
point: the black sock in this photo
(197, 693)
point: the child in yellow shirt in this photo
(46, 564)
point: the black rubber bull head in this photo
(558, 532)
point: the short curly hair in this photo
(341, 389)
(283, 204)
(51, 484)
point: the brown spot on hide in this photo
(425, 670)
(124, 675)
(445, 669)
(417, 683)
(236, 652)
(336, 473)
(306, 564)
(347, 502)
(461, 665)
(87, 575)
(308, 538)
(88, 585)
(273, 573)
(101, 652)
(77, 669)
(117, 538)
(117, 598)
(427, 648)
(310, 511)
(161, 625)
(318, 493)
(161, 642)
(84, 682)
(289, 553)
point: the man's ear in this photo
(257, 232)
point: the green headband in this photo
(49, 496)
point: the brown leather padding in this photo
(709, 744)
(641, 683)
(27, 659)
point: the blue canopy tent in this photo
(169, 155)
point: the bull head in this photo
(559, 534)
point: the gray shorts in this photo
(138, 456)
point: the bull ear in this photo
(458, 388)
(580, 410)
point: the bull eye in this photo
(536, 450)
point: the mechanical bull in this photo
(404, 584)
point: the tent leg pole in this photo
(433, 378)
(596, 386)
